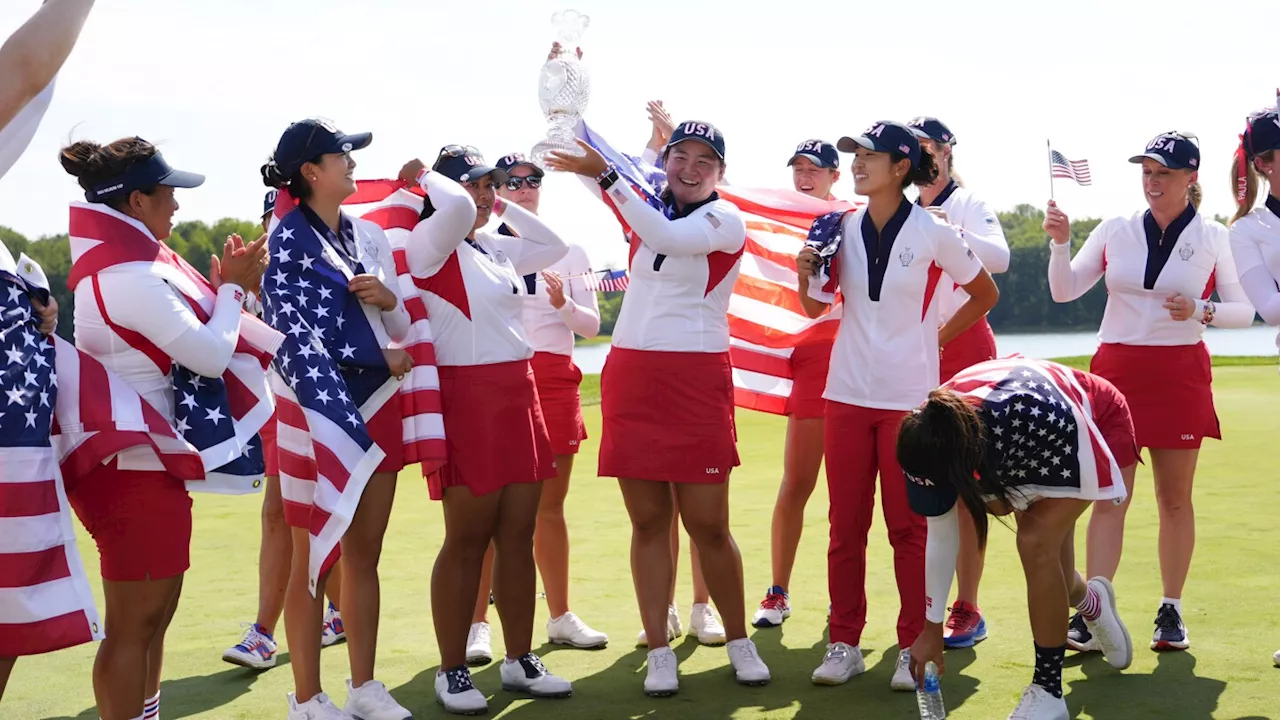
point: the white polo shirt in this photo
(1143, 266)
(682, 274)
(1255, 245)
(475, 291)
(551, 330)
(886, 351)
(981, 229)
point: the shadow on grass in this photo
(1173, 690)
(198, 694)
(616, 691)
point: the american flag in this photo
(607, 281)
(1077, 170)
(1041, 423)
(220, 417)
(766, 321)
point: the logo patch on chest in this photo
(1186, 251)
(906, 256)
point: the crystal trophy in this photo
(563, 87)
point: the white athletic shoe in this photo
(456, 693)
(902, 680)
(748, 668)
(256, 650)
(1038, 704)
(841, 662)
(479, 639)
(1276, 658)
(332, 632)
(662, 678)
(371, 701)
(568, 629)
(1108, 630)
(528, 675)
(318, 707)
(704, 625)
(674, 629)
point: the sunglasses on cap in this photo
(458, 151)
(515, 183)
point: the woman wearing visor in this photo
(1161, 266)
(1039, 440)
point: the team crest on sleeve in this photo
(906, 256)
(1186, 251)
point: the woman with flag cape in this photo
(185, 344)
(331, 288)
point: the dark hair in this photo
(924, 173)
(945, 441)
(297, 185)
(1251, 180)
(93, 164)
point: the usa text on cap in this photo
(269, 202)
(1263, 133)
(885, 136)
(819, 152)
(1174, 150)
(928, 498)
(931, 128)
(144, 175)
(507, 162)
(306, 140)
(463, 163)
(702, 132)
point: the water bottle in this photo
(930, 696)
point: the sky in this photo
(215, 83)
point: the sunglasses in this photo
(515, 183)
(458, 151)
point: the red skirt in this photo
(809, 366)
(668, 416)
(386, 429)
(140, 520)
(1168, 389)
(975, 345)
(558, 379)
(494, 432)
(270, 450)
(1112, 416)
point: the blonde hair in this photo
(1195, 194)
(1245, 182)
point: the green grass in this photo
(1229, 605)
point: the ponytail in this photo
(1195, 194)
(1246, 181)
(924, 173)
(945, 440)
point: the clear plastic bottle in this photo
(930, 696)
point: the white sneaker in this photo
(1276, 658)
(479, 639)
(256, 650)
(1038, 704)
(317, 708)
(457, 695)
(674, 629)
(371, 701)
(1108, 630)
(704, 624)
(902, 680)
(841, 662)
(527, 674)
(662, 680)
(748, 668)
(568, 629)
(332, 632)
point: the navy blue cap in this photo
(1174, 150)
(819, 152)
(269, 202)
(142, 176)
(308, 139)
(506, 162)
(1263, 133)
(928, 498)
(885, 136)
(705, 133)
(931, 128)
(463, 163)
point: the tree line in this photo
(1025, 304)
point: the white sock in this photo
(151, 708)
(1175, 602)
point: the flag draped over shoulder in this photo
(766, 321)
(220, 416)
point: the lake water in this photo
(1256, 340)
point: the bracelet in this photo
(1207, 317)
(607, 178)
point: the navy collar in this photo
(675, 214)
(1273, 205)
(879, 244)
(943, 196)
(1160, 243)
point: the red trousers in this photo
(861, 443)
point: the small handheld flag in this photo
(607, 281)
(1061, 167)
